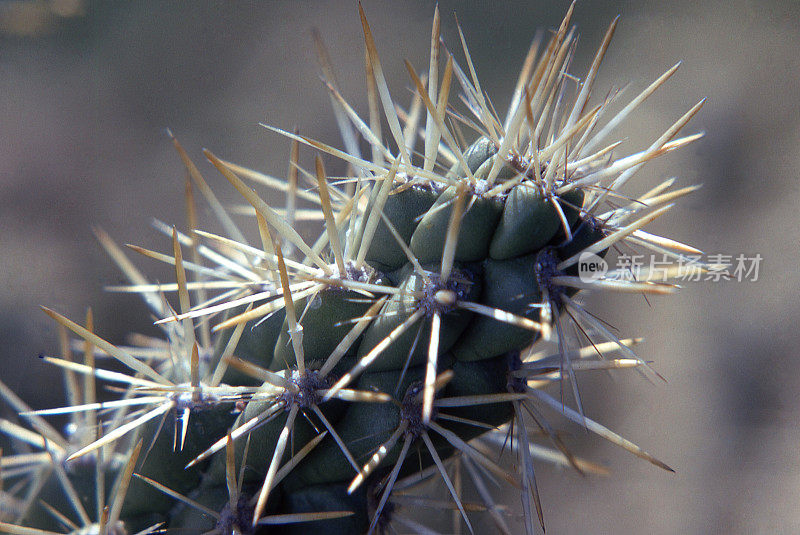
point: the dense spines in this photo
(364, 426)
(403, 332)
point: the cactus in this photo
(326, 382)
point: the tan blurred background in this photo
(87, 90)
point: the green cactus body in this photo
(403, 209)
(395, 344)
(163, 462)
(477, 228)
(482, 344)
(326, 319)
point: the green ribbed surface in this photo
(499, 245)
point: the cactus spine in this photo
(395, 348)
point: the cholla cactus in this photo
(397, 350)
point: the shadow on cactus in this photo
(333, 382)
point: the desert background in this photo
(87, 90)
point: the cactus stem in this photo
(246, 427)
(525, 204)
(406, 250)
(349, 339)
(374, 353)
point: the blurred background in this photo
(88, 88)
